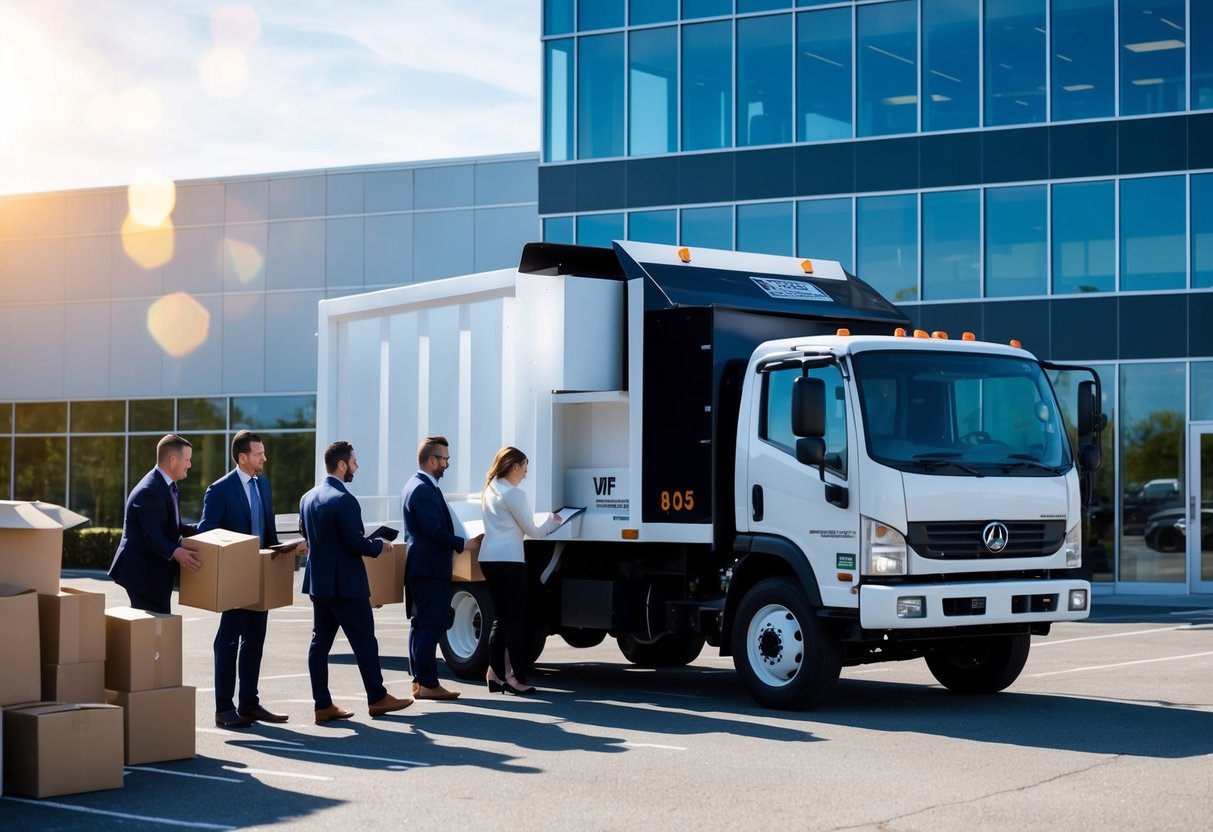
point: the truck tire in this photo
(785, 656)
(667, 650)
(465, 644)
(980, 666)
(583, 638)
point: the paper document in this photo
(568, 513)
(287, 545)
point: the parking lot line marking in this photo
(185, 774)
(654, 745)
(336, 754)
(286, 676)
(125, 816)
(273, 773)
(1051, 642)
(1122, 664)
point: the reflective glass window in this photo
(641, 12)
(1202, 231)
(558, 101)
(1084, 237)
(744, 6)
(1017, 261)
(776, 419)
(600, 96)
(765, 228)
(1202, 391)
(1015, 61)
(152, 415)
(599, 14)
(823, 230)
(887, 236)
(653, 226)
(1084, 76)
(599, 229)
(6, 467)
(6, 417)
(1152, 444)
(708, 227)
(141, 457)
(41, 417)
(264, 412)
(211, 459)
(1153, 234)
(40, 468)
(558, 230)
(557, 17)
(290, 466)
(98, 487)
(705, 8)
(653, 95)
(888, 68)
(951, 245)
(1202, 55)
(764, 80)
(1153, 42)
(823, 75)
(950, 72)
(202, 414)
(98, 417)
(707, 85)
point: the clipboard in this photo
(567, 513)
(384, 533)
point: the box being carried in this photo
(142, 649)
(230, 577)
(386, 576)
(277, 579)
(54, 749)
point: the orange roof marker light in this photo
(843, 332)
(921, 333)
(629, 534)
(968, 336)
(684, 254)
(940, 334)
(1015, 343)
(807, 265)
(900, 332)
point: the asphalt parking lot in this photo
(1110, 726)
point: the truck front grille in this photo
(963, 540)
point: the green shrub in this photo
(90, 548)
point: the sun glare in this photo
(26, 75)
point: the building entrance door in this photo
(1199, 517)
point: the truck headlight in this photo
(1073, 547)
(882, 549)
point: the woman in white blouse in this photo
(507, 517)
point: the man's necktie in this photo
(172, 487)
(254, 497)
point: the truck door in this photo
(789, 499)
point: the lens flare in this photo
(148, 246)
(27, 75)
(178, 323)
(138, 110)
(151, 197)
(223, 72)
(246, 261)
(235, 25)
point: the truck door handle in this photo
(756, 498)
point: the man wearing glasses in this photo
(427, 574)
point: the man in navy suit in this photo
(335, 578)
(150, 550)
(427, 569)
(240, 501)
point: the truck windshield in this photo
(960, 414)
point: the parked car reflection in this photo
(1152, 497)
(1167, 530)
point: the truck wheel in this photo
(465, 644)
(667, 650)
(980, 666)
(583, 638)
(785, 656)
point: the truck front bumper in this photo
(914, 606)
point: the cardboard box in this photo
(230, 575)
(158, 724)
(142, 649)
(31, 547)
(386, 576)
(465, 566)
(20, 656)
(83, 682)
(53, 749)
(277, 585)
(71, 625)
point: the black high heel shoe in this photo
(497, 687)
(517, 688)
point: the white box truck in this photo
(770, 462)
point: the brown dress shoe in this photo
(259, 714)
(416, 688)
(388, 704)
(436, 692)
(330, 713)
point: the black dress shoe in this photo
(232, 719)
(260, 714)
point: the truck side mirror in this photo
(1091, 420)
(809, 408)
(1089, 457)
(811, 451)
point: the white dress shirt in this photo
(507, 516)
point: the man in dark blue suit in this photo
(150, 550)
(240, 501)
(427, 569)
(335, 578)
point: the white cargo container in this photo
(769, 462)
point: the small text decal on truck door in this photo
(789, 289)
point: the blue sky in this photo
(92, 92)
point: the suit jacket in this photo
(150, 534)
(225, 506)
(331, 521)
(431, 534)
